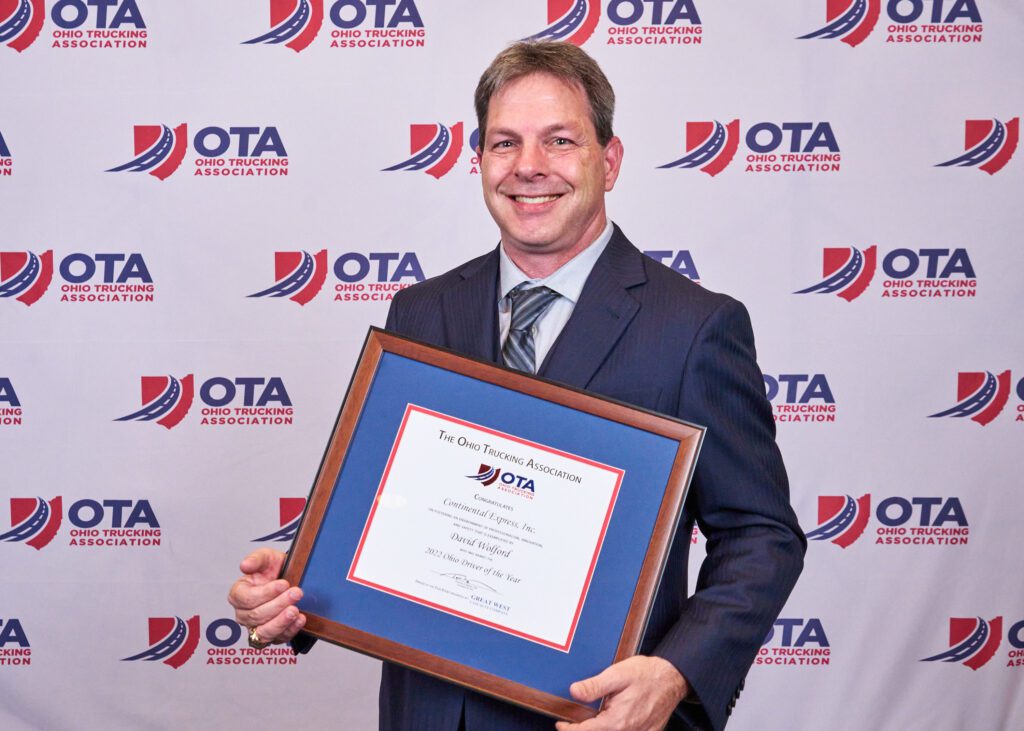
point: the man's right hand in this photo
(265, 602)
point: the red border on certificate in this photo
(564, 647)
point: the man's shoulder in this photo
(668, 289)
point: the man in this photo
(616, 323)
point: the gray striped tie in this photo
(527, 307)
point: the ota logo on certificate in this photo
(512, 483)
(483, 552)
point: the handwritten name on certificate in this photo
(486, 526)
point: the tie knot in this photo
(529, 304)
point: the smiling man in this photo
(567, 296)
(545, 170)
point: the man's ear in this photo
(612, 162)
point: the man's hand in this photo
(640, 694)
(265, 602)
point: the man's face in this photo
(543, 171)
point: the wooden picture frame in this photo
(623, 526)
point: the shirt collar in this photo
(567, 280)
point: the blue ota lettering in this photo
(215, 141)
(352, 13)
(73, 13)
(895, 511)
(908, 11)
(627, 12)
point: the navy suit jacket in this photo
(643, 334)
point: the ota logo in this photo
(841, 519)
(20, 22)
(158, 150)
(847, 272)
(910, 21)
(34, 521)
(299, 276)
(940, 21)
(10, 404)
(375, 276)
(372, 277)
(973, 641)
(910, 273)
(786, 147)
(572, 21)
(654, 23)
(71, 14)
(103, 277)
(245, 401)
(14, 645)
(241, 401)
(166, 400)
(981, 396)
(25, 276)
(240, 152)
(113, 277)
(98, 24)
(376, 24)
(116, 523)
(795, 641)
(989, 145)
(710, 146)
(249, 151)
(356, 24)
(173, 641)
(506, 481)
(851, 21)
(904, 521)
(434, 149)
(800, 397)
(929, 273)
(294, 23)
(290, 513)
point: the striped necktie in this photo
(527, 307)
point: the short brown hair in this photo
(563, 60)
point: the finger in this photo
(264, 613)
(609, 681)
(282, 627)
(263, 564)
(296, 627)
(245, 595)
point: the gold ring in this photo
(254, 640)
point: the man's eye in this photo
(503, 145)
(562, 141)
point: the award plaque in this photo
(488, 527)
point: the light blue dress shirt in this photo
(567, 280)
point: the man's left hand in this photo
(640, 694)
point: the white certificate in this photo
(486, 526)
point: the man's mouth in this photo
(535, 198)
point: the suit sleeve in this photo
(740, 498)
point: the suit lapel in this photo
(471, 310)
(601, 316)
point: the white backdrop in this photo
(849, 648)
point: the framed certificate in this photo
(488, 527)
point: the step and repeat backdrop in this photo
(204, 205)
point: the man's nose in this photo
(532, 161)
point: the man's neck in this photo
(541, 265)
